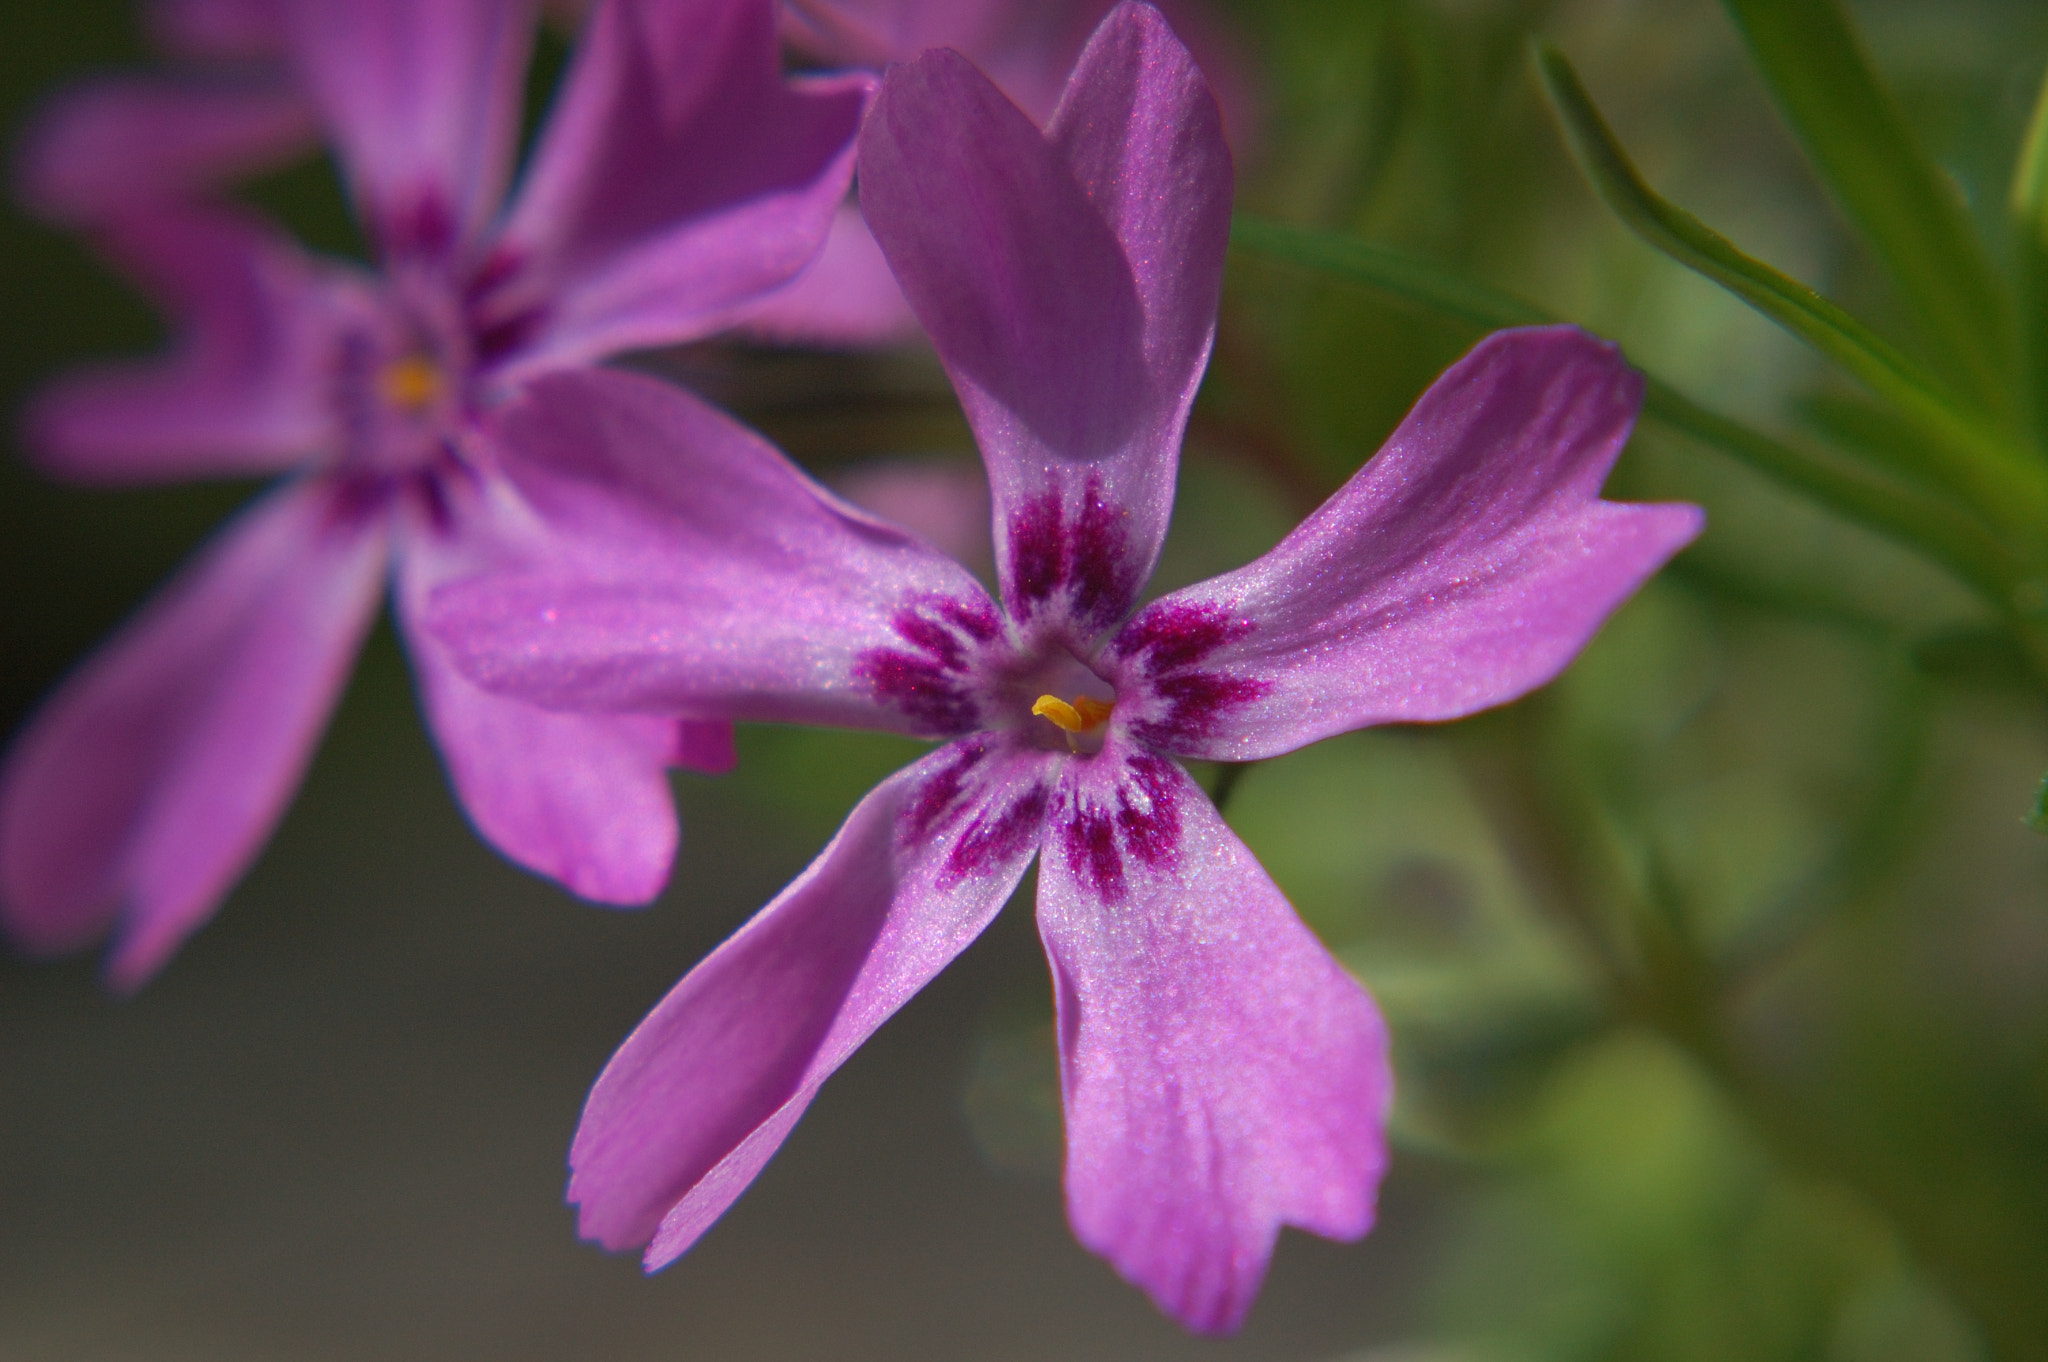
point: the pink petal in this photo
(580, 798)
(707, 574)
(944, 503)
(679, 178)
(1070, 282)
(705, 746)
(121, 142)
(846, 297)
(422, 99)
(877, 32)
(1222, 1074)
(1026, 47)
(216, 28)
(703, 1092)
(1465, 565)
(244, 387)
(146, 785)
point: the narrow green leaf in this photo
(1976, 460)
(2029, 206)
(1953, 538)
(1380, 267)
(1902, 204)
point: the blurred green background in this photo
(1716, 971)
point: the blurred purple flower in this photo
(679, 177)
(945, 503)
(1222, 1074)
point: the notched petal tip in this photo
(1222, 1074)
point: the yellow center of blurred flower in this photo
(412, 384)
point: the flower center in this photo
(413, 384)
(1082, 719)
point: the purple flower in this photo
(848, 297)
(1222, 1074)
(679, 178)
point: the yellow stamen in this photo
(1085, 713)
(411, 384)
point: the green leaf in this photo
(1980, 463)
(1381, 267)
(2038, 818)
(1954, 539)
(1902, 204)
(2029, 207)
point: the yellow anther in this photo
(412, 384)
(1085, 713)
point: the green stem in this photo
(1958, 541)
(1652, 974)
(1228, 774)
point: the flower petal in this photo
(847, 297)
(680, 177)
(1069, 280)
(1222, 1074)
(1026, 47)
(707, 575)
(945, 502)
(145, 786)
(1465, 565)
(244, 388)
(422, 99)
(580, 798)
(702, 1093)
(116, 143)
(215, 28)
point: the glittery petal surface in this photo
(706, 1088)
(708, 575)
(1069, 281)
(148, 782)
(1465, 565)
(680, 177)
(1222, 1074)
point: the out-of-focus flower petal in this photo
(1466, 564)
(216, 28)
(846, 297)
(1070, 286)
(1026, 47)
(706, 1088)
(580, 798)
(421, 98)
(121, 142)
(701, 572)
(945, 503)
(680, 177)
(705, 746)
(877, 32)
(1222, 1074)
(145, 786)
(245, 386)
